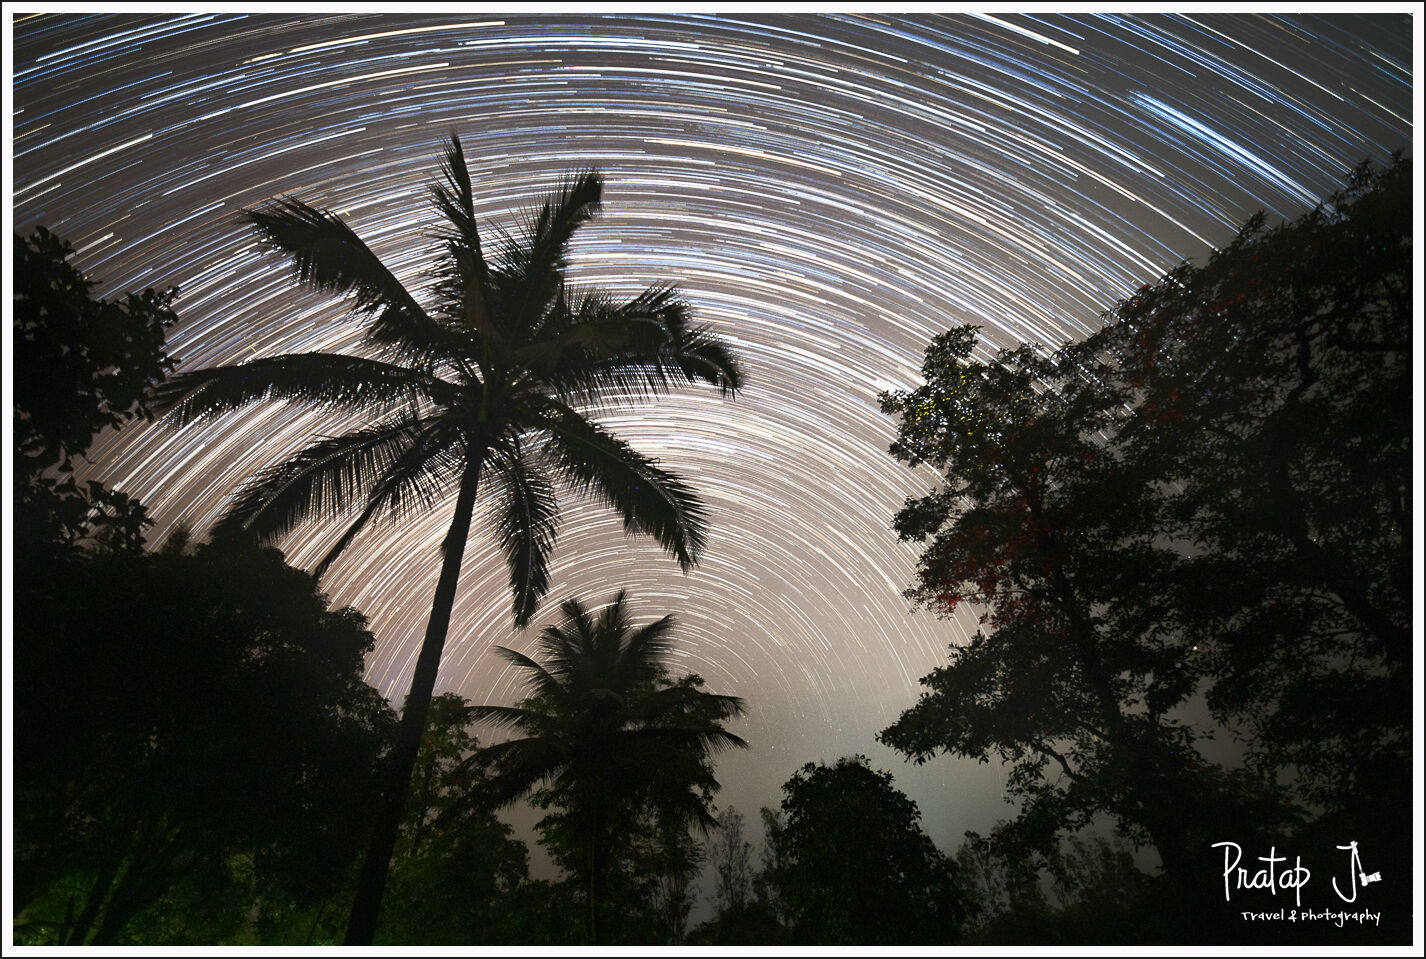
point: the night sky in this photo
(827, 191)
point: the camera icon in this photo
(1368, 880)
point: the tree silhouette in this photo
(1274, 382)
(732, 859)
(81, 365)
(854, 866)
(1079, 677)
(1200, 509)
(480, 393)
(609, 739)
(181, 712)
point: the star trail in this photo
(828, 192)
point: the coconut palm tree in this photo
(609, 739)
(485, 390)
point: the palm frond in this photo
(505, 717)
(518, 766)
(525, 527)
(424, 342)
(685, 697)
(535, 267)
(642, 346)
(567, 645)
(419, 473)
(543, 681)
(328, 255)
(690, 808)
(464, 285)
(703, 356)
(568, 349)
(605, 727)
(325, 479)
(695, 738)
(317, 379)
(641, 653)
(651, 500)
(456, 200)
(613, 624)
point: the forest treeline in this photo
(1186, 537)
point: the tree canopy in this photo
(1202, 508)
(81, 365)
(455, 866)
(1272, 387)
(177, 710)
(732, 859)
(853, 866)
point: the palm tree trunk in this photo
(596, 876)
(361, 928)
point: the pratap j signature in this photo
(1293, 877)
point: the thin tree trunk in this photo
(103, 885)
(315, 921)
(76, 934)
(596, 877)
(361, 928)
(152, 869)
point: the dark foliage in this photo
(1273, 391)
(1201, 509)
(80, 365)
(853, 865)
(193, 737)
(1082, 678)
(456, 866)
(188, 724)
(732, 859)
(622, 752)
(752, 924)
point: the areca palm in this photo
(483, 389)
(609, 738)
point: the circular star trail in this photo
(827, 191)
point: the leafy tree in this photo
(187, 732)
(1205, 499)
(999, 892)
(1273, 387)
(771, 862)
(753, 924)
(455, 864)
(759, 920)
(80, 365)
(856, 868)
(1100, 896)
(1081, 671)
(621, 749)
(664, 861)
(732, 859)
(480, 392)
(1096, 867)
(542, 913)
(744, 916)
